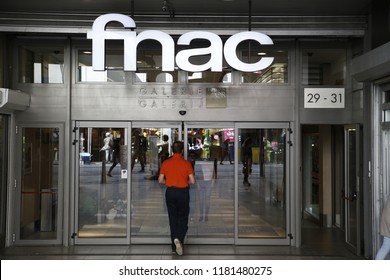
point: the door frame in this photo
(211, 124)
(74, 194)
(184, 126)
(357, 196)
(60, 194)
(289, 203)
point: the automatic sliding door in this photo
(262, 184)
(102, 192)
(150, 146)
(210, 148)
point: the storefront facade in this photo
(304, 113)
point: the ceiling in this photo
(198, 7)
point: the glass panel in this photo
(310, 171)
(262, 183)
(41, 65)
(211, 150)
(323, 67)
(102, 207)
(351, 187)
(206, 76)
(149, 64)
(277, 73)
(114, 66)
(39, 207)
(386, 96)
(149, 148)
(210, 77)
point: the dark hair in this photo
(165, 137)
(177, 147)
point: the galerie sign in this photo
(216, 50)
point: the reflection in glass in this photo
(149, 148)
(102, 204)
(211, 151)
(262, 183)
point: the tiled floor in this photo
(318, 244)
(163, 252)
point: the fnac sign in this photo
(216, 50)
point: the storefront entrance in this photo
(331, 181)
(240, 197)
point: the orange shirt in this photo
(176, 171)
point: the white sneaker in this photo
(179, 248)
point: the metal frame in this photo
(75, 200)
(61, 186)
(289, 200)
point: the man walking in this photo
(177, 174)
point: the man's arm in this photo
(161, 179)
(191, 179)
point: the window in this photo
(114, 66)
(206, 76)
(41, 65)
(149, 64)
(210, 77)
(276, 73)
(323, 66)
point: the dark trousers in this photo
(178, 205)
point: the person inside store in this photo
(225, 151)
(177, 174)
(247, 160)
(139, 146)
(205, 181)
(163, 153)
(115, 155)
(107, 146)
(143, 147)
(385, 232)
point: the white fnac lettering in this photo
(216, 50)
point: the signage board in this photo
(215, 97)
(324, 98)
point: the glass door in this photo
(352, 193)
(150, 146)
(40, 192)
(210, 148)
(102, 183)
(262, 183)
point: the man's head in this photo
(177, 147)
